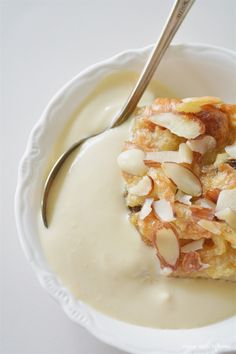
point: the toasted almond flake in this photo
(143, 187)
(194, 104)
(185, 154)
(209, 226)
(203, 100)
(163, 210)
(205, 203)
(231, 150)
(228, 215)
(182, 125)
(202, 144)
(226, 199)
(184, 178)
(162, 156)
(146, 208)
(131, 161)
(193, 246)
(183, 198)
(167, 245)
(191, 262)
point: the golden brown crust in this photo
(216, 123)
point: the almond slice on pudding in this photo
(180, 192)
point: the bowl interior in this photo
(188, 71)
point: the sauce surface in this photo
(91, 244)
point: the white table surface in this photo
(44, 43)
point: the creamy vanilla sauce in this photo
(91, 244)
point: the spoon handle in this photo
(177, 15)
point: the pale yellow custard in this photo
(91, 245)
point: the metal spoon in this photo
(176, 17)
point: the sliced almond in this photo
(209, 226)
(143, 187)
(167, 245)
(202, 144)
(180, 124)
(192, 262)
(162, 156)
(193, 246)
(146, 208)
(183, 198)
(226, 199)
(228, 215)
(231, 150)
(205, 203)
(185, 154)
(194, 104)
(131, 161)
(163, 210)
(184, 178)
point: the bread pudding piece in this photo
(179, 168)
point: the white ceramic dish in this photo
(189, 70)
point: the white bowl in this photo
(190, 70)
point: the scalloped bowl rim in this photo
(95, 322)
